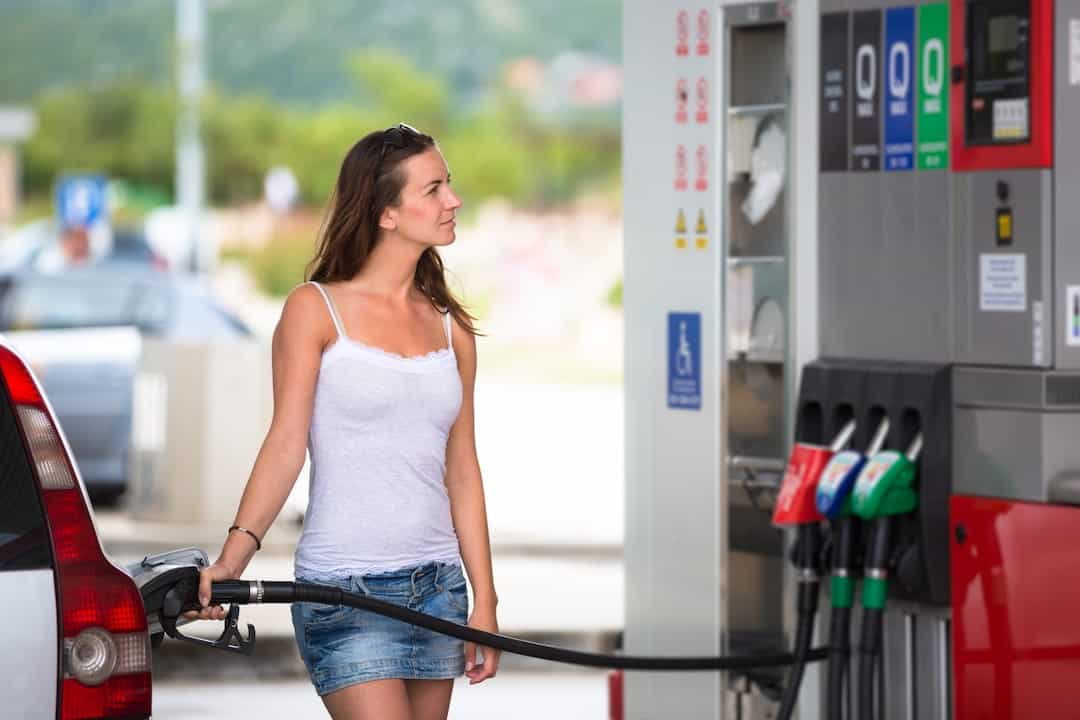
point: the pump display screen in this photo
(998, 104)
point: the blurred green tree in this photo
(496, 145)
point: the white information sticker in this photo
(1072, 315)
(1011, 119)
(1002, 283)
(1074, 52)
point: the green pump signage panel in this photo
(932, 71)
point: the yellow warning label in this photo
(702, 243)
(680, 242)
(680, 223)
(701, 229)
(1004, 226)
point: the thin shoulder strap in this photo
(449, 337)
(333, 310)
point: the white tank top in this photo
(377, 445)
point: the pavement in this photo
(521, 696)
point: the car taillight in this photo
(106, 651)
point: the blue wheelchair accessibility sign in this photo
(684, 361)
(80, 200)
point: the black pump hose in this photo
(837, 694)
(242, 592)
(872, 621)
(873, 617)
(806, 561)
(839, 642)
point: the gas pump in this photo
(834, 501)
(944, 273)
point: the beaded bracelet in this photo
(258, 543)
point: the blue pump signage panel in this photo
(899, 96)
(684, 361)
(80, 200)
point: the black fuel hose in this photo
(243, 592)
(839, 644)
(806, 561)
(873, 617)
(871, 651)
(837, 694)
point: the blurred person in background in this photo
(75, 245)
(71, 249)
(374, 365)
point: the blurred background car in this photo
(29, 247)
(81, 331)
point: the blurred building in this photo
(16, 126)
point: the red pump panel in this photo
(1038, 151)
(1015, 597)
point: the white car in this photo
(76, 640)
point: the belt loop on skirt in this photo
(359, 580)
(412, 578)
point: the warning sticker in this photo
(702, 182)
(680, 230)
(680, 167)
(703, 32)
(1002, 283)
(702, 115)
(682, 96)
(682, 34)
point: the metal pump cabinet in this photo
(923, 244)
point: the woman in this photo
(374, 365)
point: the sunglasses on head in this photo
(395, 137)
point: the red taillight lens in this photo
(106, 663)
(121, 696)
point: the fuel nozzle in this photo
(795, 503)
(886, 485)
(833, 495)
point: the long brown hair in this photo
(371, 180)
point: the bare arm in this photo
(464, 484)
(302, 332)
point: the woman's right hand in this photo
(214, 573)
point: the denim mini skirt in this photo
(342, 646)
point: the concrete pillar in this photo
(9, 184)
(200, 414)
